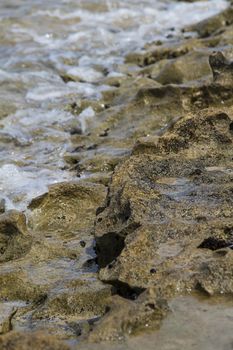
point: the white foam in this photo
(86, 74)
(45, 92)
(20, 186)
(85, 116)
(29, 119)
(85, 89)
(57, 37)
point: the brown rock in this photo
(163, 203)
(15, 241)
(127, 317)
(26, 341)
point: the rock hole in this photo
(82, 244)
(231, 127)
(228, 231)
(213, 243)
(108, 247)
(151, 306)
(126, 291)
(107, 309)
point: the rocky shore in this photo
(102, 260)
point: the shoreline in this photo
(157, 197)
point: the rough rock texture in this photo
(67, 207)
(15, 240)
(125, 317)
(54, 284)
(164, 201)
(167, 222)
(157, 158)
(26, 341)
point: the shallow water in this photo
(193, 323)
(41, 42)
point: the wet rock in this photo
(78, 107)
(140, 106)
(156, 54)
(16, 285)
(153, 219)
(222, 69)
(213, 243)
(6, 108)
(212, 25)
(68, 207)
(2, 206)
(27, 341)
(114, 130)
(57, 278)
(7, 314)
(78, 298)
(170, 50)
(53, 278)
(126, 317)
(189, 67)
(165, 227)
(15, 240)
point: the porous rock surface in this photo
(167, 220)
(158, 201)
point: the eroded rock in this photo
(15, 240)
(222, 69)
(164, 201)
(181, 70)
(214, 24)
(164, 229)
(67, 207)
(28, 341)
(126, 317)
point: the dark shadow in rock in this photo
(222, 68)
(213, 243)
(125, 291)
(90, 265)
(15, 240)
(110, 245)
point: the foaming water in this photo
(41, 42)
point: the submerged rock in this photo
(27, 341)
